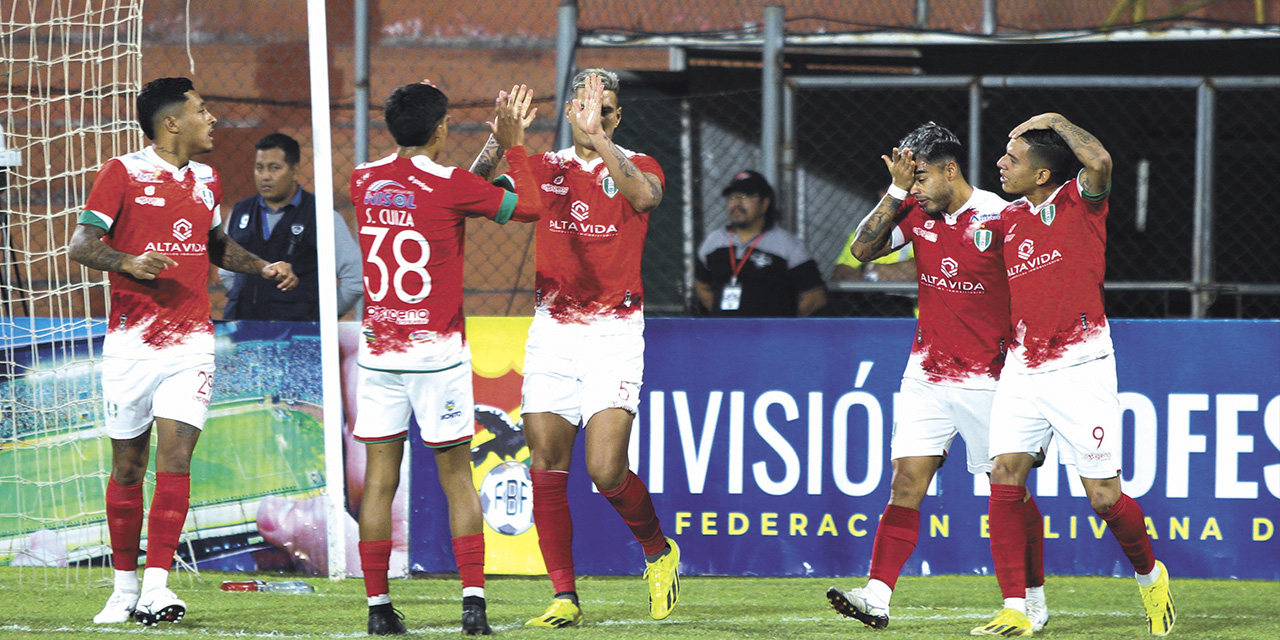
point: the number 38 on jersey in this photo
(408, 276)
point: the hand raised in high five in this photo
(512, 115)
(585, 110)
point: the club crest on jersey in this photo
(181, 229)
(1048, 213)
(982, 239)
(244, 221)
(610, 189)
(389, 193)
(206, 196)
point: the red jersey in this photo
(1055, 257)
(412, 213)
(963, 330)
(589, 240)
(146, 204)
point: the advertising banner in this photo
(765, 444)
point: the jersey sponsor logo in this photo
(150, 201)
(955, 286)
(584, 229)
(926, 235)
(206, 196)
(389, 193)
(150, 190)
(980, 216)
(398, 316)
(1026, 249)
(1048, 213)
(1034, 263)
(579, 210)
(556, 189)
(176, 248)
(422, 335)
(421, 185)
(451, 410)
(182, 229)
(982, 239)
(153, 176)
(928, 224)
(950, 267)
(610, 189)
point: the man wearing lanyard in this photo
(753, 268)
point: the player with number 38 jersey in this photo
(412, 214)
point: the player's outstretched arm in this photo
(485, 163)
(872, 239)
(1088, 149)
(88, 249)
(510, 119)
(642, 190)
(226, 253)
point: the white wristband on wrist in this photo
(896, 192)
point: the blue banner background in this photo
(1201, 455)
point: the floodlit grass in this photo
(41, 603)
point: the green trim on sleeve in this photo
(93, 219)
(508, 207)
(505, 182)
(1092, 196)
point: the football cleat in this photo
(159, 605)
(1007, 623)
(663, 577)
(474, 621)
(119, 608)
(1037, 611)
(1159, 604)
(562, 613)
(856, 604)
(384, 620)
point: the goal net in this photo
(69, 71)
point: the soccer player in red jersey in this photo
(152, 222)
(414, 357)
(1061, 371)
(957, 354)
(584, 360)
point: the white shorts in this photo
(440, 400)
(136, 392)
(576, 371)
(1079, 404)
(928, 416)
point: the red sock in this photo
(168, 513)
(895, 541)
(1035, 542)
(469, 552)
(124, 523)
(375, 558)
(632, 501)
(555, 527)
(1007, 523)
(1130, 529)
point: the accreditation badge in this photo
(731, 297)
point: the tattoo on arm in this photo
(228, 254)
(629, 169)
(655, 186)
(875, 230)
(488, 159)
(88, 249)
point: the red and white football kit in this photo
(962, 332)
(1060, 374)
(146, 204)
(412, 214)
(585, 351)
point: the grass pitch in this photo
(39, 604)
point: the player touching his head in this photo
(584, 360)
(414, 358)
(1061, 373)
(957, 354)
(152, 223)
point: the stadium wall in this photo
(766, 446)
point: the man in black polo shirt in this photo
(752, 267)
(280, 224)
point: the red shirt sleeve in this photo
(106, 197)
(647, 164)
